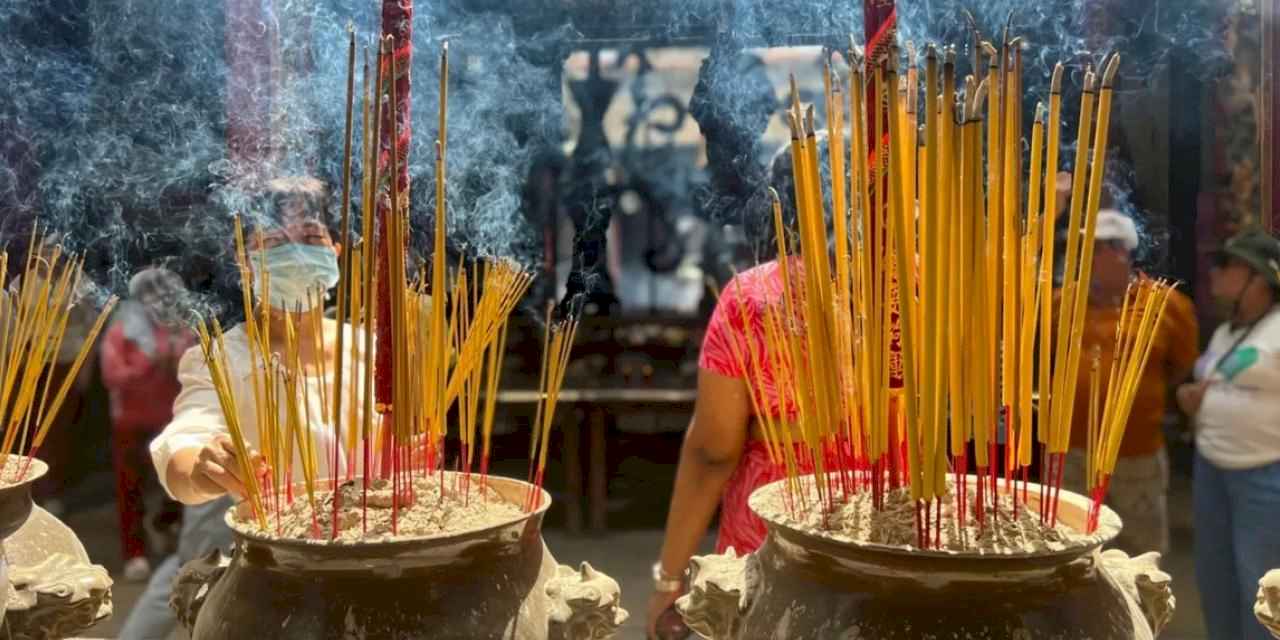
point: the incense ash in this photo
(19, 469)
(425, 513)
(1014, 530)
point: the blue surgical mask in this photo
(296, 270)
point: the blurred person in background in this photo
(1235, 406)
(140, 353)
(1140, 483)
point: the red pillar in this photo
(397, 22)
(249, 42)
(1269, 121)
(880, 21)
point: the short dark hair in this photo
(758, 224)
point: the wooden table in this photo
(597, 403)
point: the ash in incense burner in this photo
(428, 509)
(1014, 527)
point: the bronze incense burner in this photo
(51, 588)
(498, 582)
(804, 585)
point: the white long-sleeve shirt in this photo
(198, 417)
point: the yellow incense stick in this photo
(1046, 350)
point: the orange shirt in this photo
(1173, 352)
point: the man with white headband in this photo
(1139, 485)
(194, 457)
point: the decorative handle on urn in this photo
(585, 604)
(195, 580)
(718, 588)
(1144, 582)
(1267, 608)
(56, 598)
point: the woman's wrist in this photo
(665, 581)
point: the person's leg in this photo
(1138, 492)
(55, 450)
(128, 492)
(150, 618)
(1255, 510)
(1214, 556)
(202, 529)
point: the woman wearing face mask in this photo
(1235, 404)
(193, 456)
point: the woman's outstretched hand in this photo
(217, 470)
(659, 603)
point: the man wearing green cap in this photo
(1235, 404)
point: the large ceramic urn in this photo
(497, 582)
(809, 585)
(51, 588)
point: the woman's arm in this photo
(711, 450)
(193, 456)
(1190, 395)
(1183, 335)
(196, 475)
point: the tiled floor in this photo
(627, 555)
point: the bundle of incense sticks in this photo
(33, 322)
(556, 344)
(448, 336)
(1140, 318)
(943, 278)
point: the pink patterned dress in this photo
(740, 317)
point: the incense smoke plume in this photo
(115, 126)
(115, 119)
(1154, 39)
